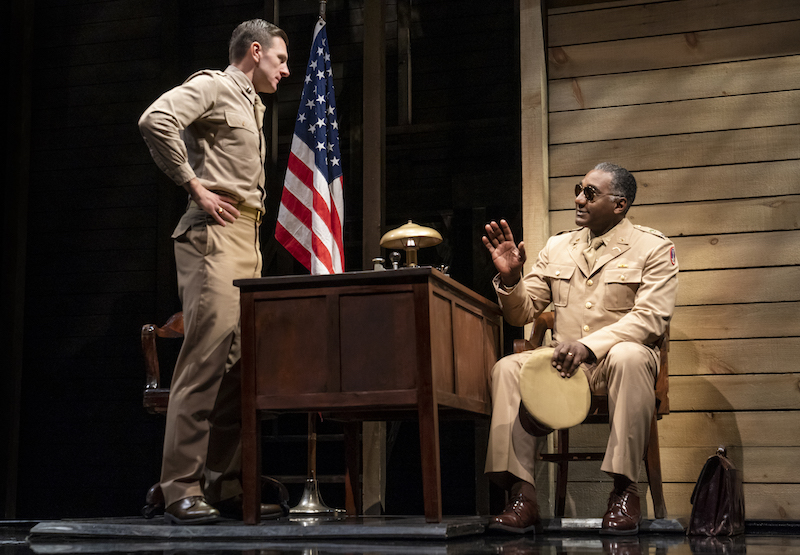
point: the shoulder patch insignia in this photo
(651, 231)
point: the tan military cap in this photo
(550, 402)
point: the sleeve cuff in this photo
(182, 174)
(500, 287)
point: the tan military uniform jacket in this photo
(629, 296)
(210, 128)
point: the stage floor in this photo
(378, 535)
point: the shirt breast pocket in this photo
(238, 121)
(559, 276)
(621, 285)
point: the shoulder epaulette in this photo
(568, 231)
(651, 231)
(210, 72)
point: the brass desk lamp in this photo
(411, 237)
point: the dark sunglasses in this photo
(590, 192)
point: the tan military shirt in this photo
(629, 296)
(210, 127)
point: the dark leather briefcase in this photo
(717, 499)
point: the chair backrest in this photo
(545, 322)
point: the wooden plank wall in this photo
(701, 100)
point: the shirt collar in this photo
(607, 236)
(243, 81)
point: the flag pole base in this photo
(311, 503)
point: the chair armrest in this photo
(172, 329)
(522, 345)
(541, 325)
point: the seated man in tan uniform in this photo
(612, 285)
(206, 135)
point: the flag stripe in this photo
(294, 246)
(338, 210)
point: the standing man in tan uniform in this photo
(613, 287)
(206, 135)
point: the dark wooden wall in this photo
(99, 216)
(457, 163)
(98, 263)
(16, 37)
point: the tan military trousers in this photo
(627, 374)
(202, 441)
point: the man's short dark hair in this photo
(623, 183)
(248, 32)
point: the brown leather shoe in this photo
(154, 502)
(191, 510)
(520, 516)
(623, 515)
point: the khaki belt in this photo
(246, 211)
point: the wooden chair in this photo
(598, 413)
(155, 395)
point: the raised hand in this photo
(507, 256)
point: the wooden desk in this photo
(365, 346)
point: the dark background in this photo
(87, 258)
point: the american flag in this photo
(311, 213)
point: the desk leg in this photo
(251, 423)
(429, 450)
(251, 450)
(352, 476)
(251, 473)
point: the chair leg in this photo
(353, 466)
(652, 464)
(563, 474)
(481, 482)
